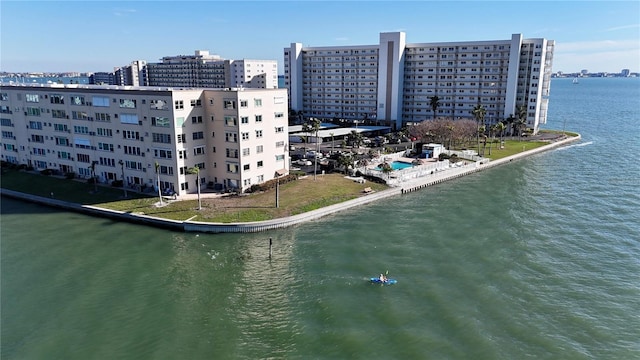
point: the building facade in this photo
(393, 82)
(145, 135)
(204, 70)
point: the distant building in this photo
(625, 72)
(204, 70)
(134, 74)
(392, 82)
(237, 138)
(102, 78)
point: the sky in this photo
(91, 36)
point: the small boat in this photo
(575, 80)
(376, 280)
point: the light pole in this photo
(158, 175)
(93, 175)
(277, 191)
(124, 187)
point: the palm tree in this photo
(331, 134)
(158, 175)
(386, 169)
(315, 125)
(345, 160)
(356, 138)
(434, 101)
(521, 119)
(478, 113)
(500, 130)
(196, 170)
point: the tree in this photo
(478, 113)
(315, 125)
(196, 170)
(345, 160)
(158, 176)
(331, 134)
(521, 120)
(500, 130)
(386, 169)
(434, 101)
(356, 138)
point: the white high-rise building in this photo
(236, 137)
(204, 70)
(393, 82)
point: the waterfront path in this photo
(249, 227)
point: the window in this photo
(40, 139)
(196, 119)
(279, 157)
(161, 138)
(4, 96)
(199, 150)
(102, 117)
(232, 168)
(279, 129)
(34, 98)
(131, 135)
(179, 104)
(245, 136)
(258, 118)
(56, 99)
(81, 129)
(230, 121)
(280, 144)
(232, 153)
(196, 102)
(99, 101)
(246, 167)
(231, 137)
(58, 114)
(129, 119)
(198, 135)
(246, 152)
(104, 132)
(244, 119)
(182, 139)
(259, 149)
(162, 153)
(244, 103)
(127, 103)
(160, 121)
(35, 125)
(229, 104)
(158, 105)
(257, 102)
(31, 111)
(258, 134)
(260, 164)
(132, 150)
(105, 147)
(84, 158)
(79, 115)
(279, 99)
(279, 115)
(182, 154)
(77, 100)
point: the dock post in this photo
(270, 248)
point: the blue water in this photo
(537, 259)
(399, 165)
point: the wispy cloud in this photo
(625, 27)
(124, 12)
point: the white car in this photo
(303, 162)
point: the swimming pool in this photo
(398, 165)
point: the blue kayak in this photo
(376, 280)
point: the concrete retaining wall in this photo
(207, 227)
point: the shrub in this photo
(116, 183)
(70, 175)
(46, 172)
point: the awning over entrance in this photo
(281, 172)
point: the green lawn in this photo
(511, 147)
(296, 197)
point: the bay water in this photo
(536, 259)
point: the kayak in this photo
(376, 280)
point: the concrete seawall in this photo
(250, 227)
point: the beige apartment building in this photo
(392, 82)
(148, 135)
